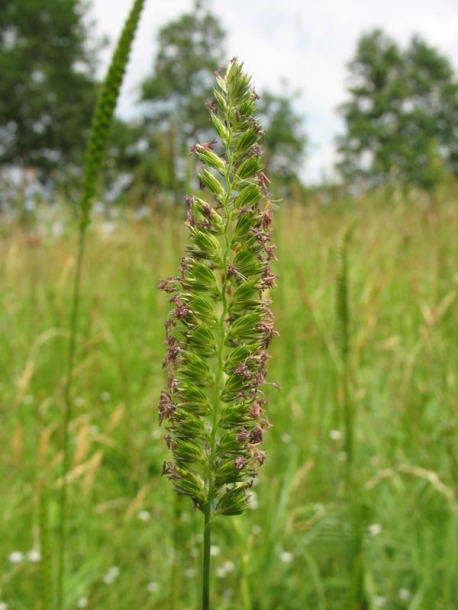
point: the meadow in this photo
(131, 542)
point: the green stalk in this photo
(355, 552)
(62, 532)
(343, 323)
(45, 564)
(95, 152)
(206, 558)
(219, 384)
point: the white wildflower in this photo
(34, 556)
(144, 515)
(375, 529)
(111, 575)
(16, 557)
(286, 557)
(404, 595)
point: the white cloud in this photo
(306, 43)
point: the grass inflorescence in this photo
(221, 326)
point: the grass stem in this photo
(206, 559)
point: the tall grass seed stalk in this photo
(221, 326)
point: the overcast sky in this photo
(305, 43)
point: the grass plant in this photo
(404, 361)
(221, 326)
(98, 138)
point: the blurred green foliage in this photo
(401, 115)
(47, 85)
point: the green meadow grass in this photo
(292, 549)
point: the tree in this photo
(402, 115)
(47, 84)
(191, 49)
(285, 140)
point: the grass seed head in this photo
(220, 326)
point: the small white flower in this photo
(105, 396)
(214, 551)
(16, 557)
(375, 529)
(83, 602)
(34, 556)
(152, 587)
(111, 575)
(190, 573)
(335, 435)
(224, 570)
(286, 557)
(220, 572)
(380, 601)
(404, 595)
(144, 515)
(3, 606)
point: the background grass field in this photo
(292, 549)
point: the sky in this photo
(288, 46)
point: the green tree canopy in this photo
(47, 83)
(285, 140)
(191, 49)
(402, 115)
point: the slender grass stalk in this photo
(343, 333)
(353, 493)
(45, 564)
(175, 588)
(95, 152)
(220, 327)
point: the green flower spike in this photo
(220, 327)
